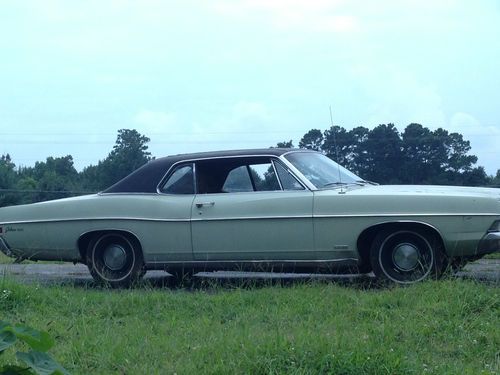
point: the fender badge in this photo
(11, 229)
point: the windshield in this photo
(321, 171)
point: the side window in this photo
(235, 175)
(180, 182)
(253, 177)
(238, 180)
(264, 177)
(288, 181)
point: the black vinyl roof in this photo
(146, 178)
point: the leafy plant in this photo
(37, 360)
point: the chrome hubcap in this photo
(405, 256)
(114, 257)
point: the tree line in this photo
(383, 154)
(415, 156)
(57, 177)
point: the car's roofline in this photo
(141, 180)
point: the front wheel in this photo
(115, 259)
(406, 256)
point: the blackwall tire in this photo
(115, 259)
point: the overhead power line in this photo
(287, 131)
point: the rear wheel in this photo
(115, 259)
(406, 256)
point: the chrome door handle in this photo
(201, 204)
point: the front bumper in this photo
(489, 244)
(4, 248)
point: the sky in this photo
(229, 74)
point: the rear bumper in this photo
(489, 244)
(4, 248)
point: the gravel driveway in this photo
(484, 270)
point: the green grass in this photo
(493, 256)
(445, 327)
(5, 259)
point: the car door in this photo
(170, 235)
(243, 211)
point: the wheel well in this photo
(366, 237)
(86, 238)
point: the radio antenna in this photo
(336, 151)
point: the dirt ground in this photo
(484, 270)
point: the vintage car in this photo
(268, 209)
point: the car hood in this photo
(409, 199)
(429, 190)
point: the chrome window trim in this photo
(287, 169)
(299, 150)
(254, 186)
(294, 171)
(308, 184)
(127, 193)
(311, 186)
(195, 180)
(167, 175)
(253, 192)
(271, 157)
(276, 174)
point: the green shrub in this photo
(36, 360)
